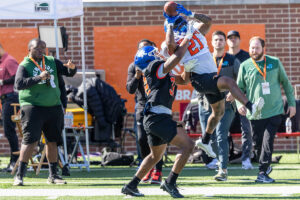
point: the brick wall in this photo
(282, 34)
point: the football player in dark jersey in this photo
(160, 87)
(135, 86)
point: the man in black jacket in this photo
(135, 86)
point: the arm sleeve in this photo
(241, 83)
(22, 81)
(61, 69)
(286, 84)
(10, 80)
(63, 92)
(132, 83)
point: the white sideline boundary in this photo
(206, 191)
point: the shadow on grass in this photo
(255, 197)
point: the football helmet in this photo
(180, 25)
(144, 56)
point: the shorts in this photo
(36, 119)
(207, 84)
(160, 128)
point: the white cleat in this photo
(213, 164)
(18, 181)
(206, 147)
(257, 107)
(246, 164)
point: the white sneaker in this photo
(256, 108)
(246, 164)
(213, 164)
(206, 147)
(221, 175)
(18, 181)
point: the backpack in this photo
(116, 159)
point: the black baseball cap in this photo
(231, 33)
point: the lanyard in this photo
(258, 69)
(220, 63)
(36, 64)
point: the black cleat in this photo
(264, 178)
(269, 170)
(171, 189)
(126, 189)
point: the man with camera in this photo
(41, 107)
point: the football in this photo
(170, 8)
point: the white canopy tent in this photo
(50, 9)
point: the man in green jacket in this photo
(261, 76)
(41, 107)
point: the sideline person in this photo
(8, 69)
(261, 76)
(41, 107)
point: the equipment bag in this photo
(116, 159)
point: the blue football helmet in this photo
(180, 25)
(144, 56)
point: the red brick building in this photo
(281, 22)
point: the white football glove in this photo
(190, 30)
(190, 65)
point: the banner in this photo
(40, 9)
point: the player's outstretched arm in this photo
(205, 21)
(180, 50)
(205, 24)
(170, 41)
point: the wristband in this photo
(189, 36)
(169, 25)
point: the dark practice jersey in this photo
(230, 66)
(242, 55)
(159, 90)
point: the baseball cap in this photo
(231, 33)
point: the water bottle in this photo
(288, 125)
(69, 119)
(66, 119)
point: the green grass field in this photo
(286, 173)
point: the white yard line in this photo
(186, 168)
(117, 181)
(206, 191)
